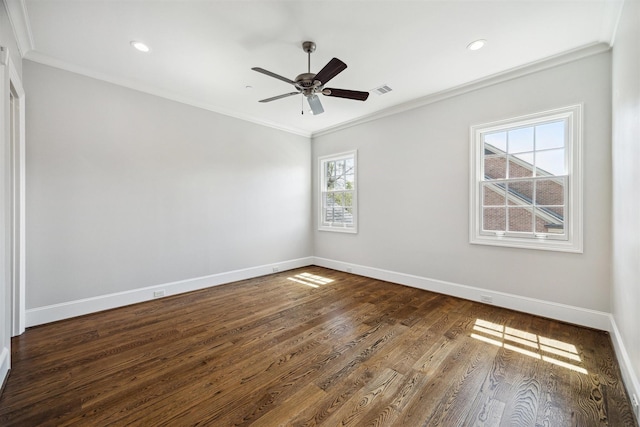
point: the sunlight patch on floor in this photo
(309, 279)
(530, 344)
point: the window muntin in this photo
(338, 192)
(526, 182)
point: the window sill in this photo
(338, 229)
(524, 243)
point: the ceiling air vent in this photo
(381, 90)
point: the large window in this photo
(338, 196)
(526, 182)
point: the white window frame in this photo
(341, 227)
(572, 240)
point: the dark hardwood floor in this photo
(313, 347)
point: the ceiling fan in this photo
(309, 84)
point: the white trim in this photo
(514, 73)
(5, 300)
(339, 227)
(553, 310)
(629, 377)
(5, 364)
(140, 86)
(19, 18)
(574, 162)
(563, 312)
(65, 310)
(18, 205)
(534, 67)
(610, 30)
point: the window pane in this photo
(339, 167)
(331, 183)
(495, 143)
(495, 167)
(346, 199)
(550, 162)
(349, 164)
(520, 219)
(494, 219)
(520, 192)
(339, 183)
(330, 169)
(521, 166)
(550, 220)
(493, 195)
(348, 215)
(328, 200)
(520, 140)
(549, 192)
(351, 180)
(550, 135)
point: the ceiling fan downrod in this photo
(308, 47)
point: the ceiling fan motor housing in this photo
(307, 85)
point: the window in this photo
(526, 182)
(338, 196)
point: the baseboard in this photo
(55, 312)
(566, 313)
(5, 365)
(629, 377)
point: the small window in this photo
(338, 195)
(526, 182)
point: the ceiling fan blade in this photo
(274, 75)
(349, 94)
(315, 104)
(332, 69)
(279, 97)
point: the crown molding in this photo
(139, 86)
(533, 67)
(19, 18)
(544, 64)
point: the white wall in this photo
(626, 192)
(126, 190)
(414, 191)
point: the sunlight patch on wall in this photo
(529, 344)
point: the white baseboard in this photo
(52, 313)
(5, 364)
(576, 315)
(566, 313)
(629, 377)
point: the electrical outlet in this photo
(486, 299)
(276, 269)
(158, 294)
(636, 405)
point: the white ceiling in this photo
(203, 51)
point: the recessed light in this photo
(475, 45)
(140, 46)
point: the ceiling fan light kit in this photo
(309, 84)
